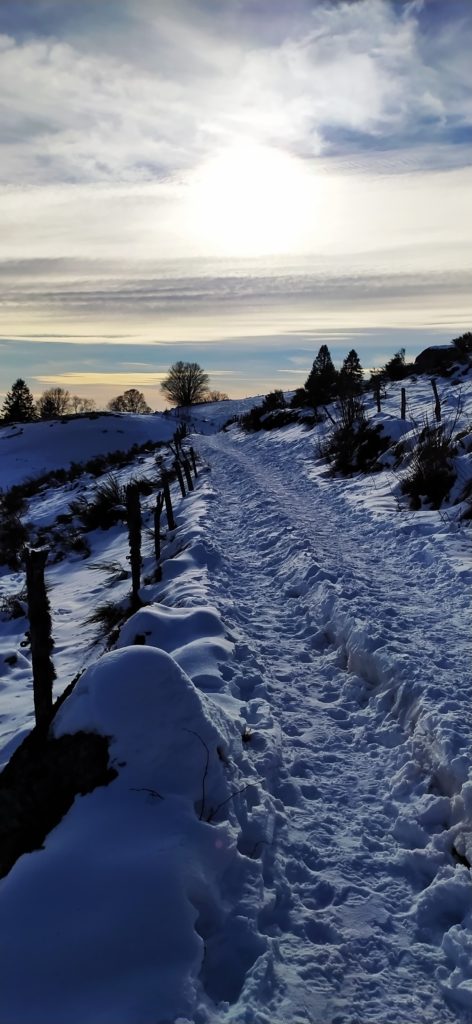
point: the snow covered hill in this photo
(288, 838)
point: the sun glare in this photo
(250, 200)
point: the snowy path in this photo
(338, 630)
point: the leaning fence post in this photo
(133, 513)
(157, 526)
(194, 461)
(178, 473)
(39, 614)
(437, 405)
(403, 405)
(188, 475)
(170, 515)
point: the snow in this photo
(30, 449)
(288, 836)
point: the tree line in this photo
(185, 384)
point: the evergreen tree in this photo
(350, 375)
(321, 383)
(18, 406)
(396, 368)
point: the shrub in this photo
(109, 616)
(254, 418)
(274, 400)
(14, 606)
(106, 508)
(431, 472)
(13, 538)
(251, 420)
(299, 399)
(353, 446)
(116, 573)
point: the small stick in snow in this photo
(214, 810)
(144, 789)
(205, 773)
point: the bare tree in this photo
(53, 403)
(185, 384)
(216, 396)
(82, 404)
(130, 401)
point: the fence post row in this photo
(194, 461)
(39, 611)
(39, 614)
(133, 512)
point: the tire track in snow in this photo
(339, 886)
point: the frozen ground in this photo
(288, 839)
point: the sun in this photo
(250, 200)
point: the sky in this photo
(232, 182)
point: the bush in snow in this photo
(109, 616)
(353, 446)
(106, 508)
(13, 606)
(13, 537)
(431, 472)
(271, 414)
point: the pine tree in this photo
(18, 406)
(350, 375)
(321, 383)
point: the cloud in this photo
(83, 378)
(150, 94)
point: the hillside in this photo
(287, 836)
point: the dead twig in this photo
(205, 773)
(214, 810)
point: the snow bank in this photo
(136, 870)
(30, 449)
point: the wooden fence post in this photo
(180, 478)
(188, 475)
(168, 503)
(403, 404)
(194, 461)
(157, 526)
(133, 512)
(377, 395)
(39, 614)
(437, 404)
